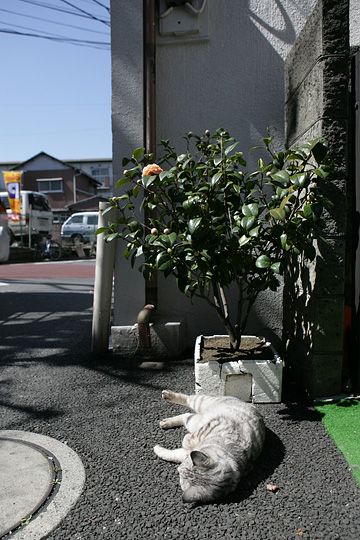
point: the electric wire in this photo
(107, 23)
(102, 5)
(57, 8)
(72, 41)
(52, 21)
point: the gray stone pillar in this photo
(317, 104)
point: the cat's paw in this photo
(167, 395)
(165, 424)
(158, 450)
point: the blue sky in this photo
(55, 96)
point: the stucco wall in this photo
(233, 78)
(354, 23)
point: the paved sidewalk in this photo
(108, 414)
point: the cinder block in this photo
(259, 381)
(208, 380)
(166, 338)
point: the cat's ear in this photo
(199, 459)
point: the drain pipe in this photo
(104, 270)
(149, 44)
(143, 320)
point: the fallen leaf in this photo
(272, 487)
(299, 532)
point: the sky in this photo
(55, 96)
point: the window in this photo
(76, 219)
(92, 220)
(50, 185)
(102, 174)
(38, 202)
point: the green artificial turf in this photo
(342, 421)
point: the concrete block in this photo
(325, 375)
(328, 331)
(166, 337)
(208, 380)
(259, 381)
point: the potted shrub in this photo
(214, 225)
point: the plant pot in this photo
(255, 377)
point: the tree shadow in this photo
(300, 412)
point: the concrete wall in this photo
(354, 23)
(317, 104)
(230, 76)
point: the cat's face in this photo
(202, 480)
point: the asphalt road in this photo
(108, 413)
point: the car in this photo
(80, 227)
(35, 219)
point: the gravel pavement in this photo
(108, 413)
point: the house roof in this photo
(90, 202)
(67, 165)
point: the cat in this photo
(225, 437)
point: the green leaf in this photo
(148, 180)
(244, 240)
(230, 148)
(263, 262)
(275, 267)
(138, 154)
(281, 176)
(172, 237)
(247, 222)
(319, 151)
(299, 179)
(278, 214)
(254, 232)
(283, 240)
(163, 261)
(216, 178)
(254, 209)
(322, 172)
(308, 211)
(121, 182)
(194, 224)
(217, 160)
(165, 174)
(111, 237)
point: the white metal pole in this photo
(104, 270)
(30, 211)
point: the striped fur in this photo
(225, 436)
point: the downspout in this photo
(149, 43)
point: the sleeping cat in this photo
(225, 436)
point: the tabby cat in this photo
(225, 436)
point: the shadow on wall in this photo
(235, 79)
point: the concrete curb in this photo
(68, 491)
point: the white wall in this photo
(127, 125)
(233, 79)
(354, 23)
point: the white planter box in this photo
(256, 380)
(166, 338)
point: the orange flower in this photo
(151, 169)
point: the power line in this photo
(51, 21)
(107, 23)
(72, 41)
(102, 5)
(47, 6)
